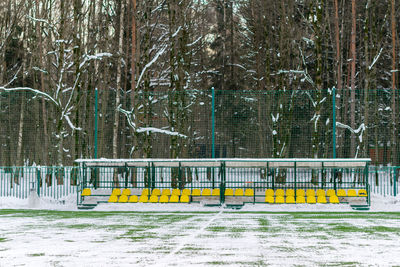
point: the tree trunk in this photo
(353, 79)
(394, 156)
(77, 57)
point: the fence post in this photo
(334, 121)
(395, 182)
(212, 122)
(295, 178)
(95, 121)
(223, 182)
(38, 181)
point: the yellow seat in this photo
(362, 193)
(229, 192)
(320, 192)
(310, 192)
(166, 192)
(153, 199)
(239, 192)
(206, 192)
(196, 192)
(133, 199)
(279, 193)
(116, 192)
(300, 199)
(330, 192)
(174, 199)
(123, 199)
(145, 192)
(176, 192)
(334, 199)
(113, 199)
(215, 192)
(311, 199)
(186, 192)
(289, 193)
(351, 193)
(269, 192)
(290, 200)
(249, 192)
(341, 193)
(280, 200)
(185, 198)
(86, 192)
(300, 193)
(156, 192)
(164, 199)
(144, 199)
(126, 192)
(321, 199)
(269, 199)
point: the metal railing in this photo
(258, 174)
(50, 182)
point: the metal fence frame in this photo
(258, 174)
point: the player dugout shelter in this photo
(223, 181)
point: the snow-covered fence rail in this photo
(50, 182)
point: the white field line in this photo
(185, 240)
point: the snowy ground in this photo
(52, 234)
(54, 238)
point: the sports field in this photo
(92, 238)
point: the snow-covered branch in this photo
(73, 127)
(130, 115)
(98, 56)
(375, 59)
(359, 131)
(40, 93)
(158, 130)
(159, 53)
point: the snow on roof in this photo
(229, 162)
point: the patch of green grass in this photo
(342, 263)
(264, 222)
(189, 248)
(348, 228)
(384, 229)
(218, 263)
(217, 228)
(237, 229)
(79, 226)
(3, 239)
(36, 255)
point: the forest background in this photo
(273, 65)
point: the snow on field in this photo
(53, 238)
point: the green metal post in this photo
(394, 181)
(334, 121)
(179, 175)
(295, 179)
(212, 122)
(323, 177)
(95, 121)
(223, 183)
(266, 175)
(38, 181)
(366, 175)
(126, 175)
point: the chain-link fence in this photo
(56, 128)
